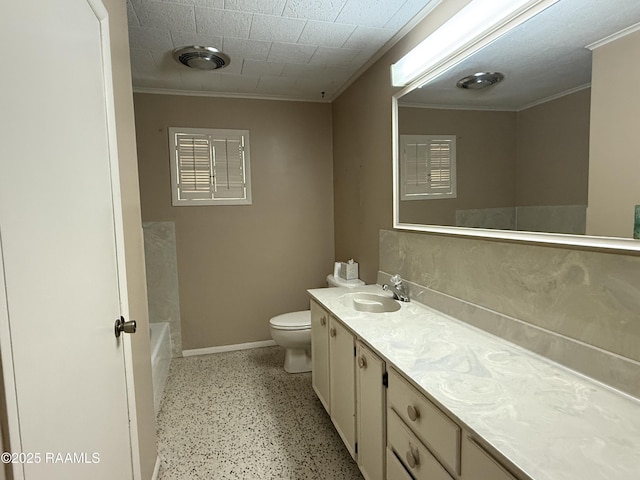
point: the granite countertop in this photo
(549, 421)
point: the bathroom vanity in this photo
(417, 394)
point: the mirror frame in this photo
(552, 239)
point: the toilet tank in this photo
(333, 281)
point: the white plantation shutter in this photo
(427, 166)
(210, 167)
(194, 166)
(228, 167)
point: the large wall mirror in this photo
(512, 160)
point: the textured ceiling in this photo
(542, 58)
(292, 49)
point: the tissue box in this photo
(349, 271)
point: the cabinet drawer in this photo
(477, 464)
(412, 453)
(395, 469)
(437, 431)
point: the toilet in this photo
(293, 332)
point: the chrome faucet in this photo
(398, 289)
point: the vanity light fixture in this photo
(475, 26)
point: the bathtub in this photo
(160, 359)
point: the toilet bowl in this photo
(293, 332)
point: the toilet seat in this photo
(292, 321)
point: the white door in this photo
(59, 261)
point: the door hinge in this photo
(354, 351)
(356, 447)
(385, 379)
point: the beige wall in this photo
(614, 167)
(144, 420)
(553, 152)
(362, 151)
(485, 160)
(240, 265)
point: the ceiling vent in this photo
(480, 80)
(201, 58)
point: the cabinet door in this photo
(320, 353)
(342, 383)
(370, 409)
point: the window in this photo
(427, 167)
(209, 167)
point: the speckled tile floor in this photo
(239, 415)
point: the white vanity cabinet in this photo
(393, 431)
(342, 384)
(370, 412)
(349, 377)
(333, 372)
(439, 422)
(320, 353)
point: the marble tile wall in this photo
(546, 218)
(579, 308)
(552, 218)
(500, 218)
(162, 278)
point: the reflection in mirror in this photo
(525, 170)
(522, 145)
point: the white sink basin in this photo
(370, 302)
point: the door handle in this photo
(126, 327)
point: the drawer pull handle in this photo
(323, 321)
(332, 331)
(413, 413)
(362, 361)
(413, 457)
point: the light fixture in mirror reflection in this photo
(523, 145)
(479, 23)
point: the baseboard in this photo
(156, 469)
(227, 348)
